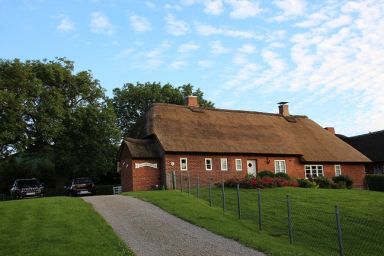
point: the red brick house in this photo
(219, 144)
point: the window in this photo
(280, 166)
(312, 171)
(239, 165)
(337, 170)
(208, 164)
(224, 164)
(183, 164)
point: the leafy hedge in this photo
(267, 179)
(375, 182)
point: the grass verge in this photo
(56, 226)
(313, 216)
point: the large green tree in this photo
(133, 100)
(45, 104)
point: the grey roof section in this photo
(370, 144)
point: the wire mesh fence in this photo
(312, 223)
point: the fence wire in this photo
(313, 221)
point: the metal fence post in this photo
(238, 201)
(210, 194)
(339, 233)
(181, 182)
(289, 220)
(223, 195)
(189, 185)
(259, 205)
(198, 187)
(174, 180)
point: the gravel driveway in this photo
(148, 230)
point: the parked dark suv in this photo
(81, 186)
(23, 188)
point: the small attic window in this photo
(183, 164)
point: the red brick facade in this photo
(294, 168)
(147, 178)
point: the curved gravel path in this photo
(148, 230)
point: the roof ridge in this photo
(365, 134)
(227, 110)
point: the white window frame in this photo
(239, 165)
(337, 169)
(206, 165)
(280, 166)
(224, 167)
(181, 164)
(314, 170)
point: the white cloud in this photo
(100, 24)
(139, 24)
(150, 59)
(290, 8)
(214, 7)
(178, 64)
(150, 5)
(176, 27)
(172, 7)
(242, 9)
(205, 63)
(187, 47)
(247, 49)
(272, 59)
(125, 53)
(217, 48)
(66, 25)
(209, 30)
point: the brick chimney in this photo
(283, 108)
(191, 101)
(331, 130)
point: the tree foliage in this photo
(133, 100)
(44, 104)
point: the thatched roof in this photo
(370, 144)
(147, 148)
(186, 129)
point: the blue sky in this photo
(326, 58)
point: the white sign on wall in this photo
(137, 165)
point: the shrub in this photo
(343, 179)
(322, 181)
(305, 183)
(268, 182)
(293, 183)
(281, 182)
(282, 175)
(263, 174)
(232, 183)
(375, 182)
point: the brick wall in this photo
(145, 178)
(196, 167)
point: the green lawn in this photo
(55, 226)
(313, 215)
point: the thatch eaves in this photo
(147, 148)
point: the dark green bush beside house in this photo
(343, 181)
(375, 182)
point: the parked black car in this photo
(23, 188)
(81, 186)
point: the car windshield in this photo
(82, 181)
(28, 183)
